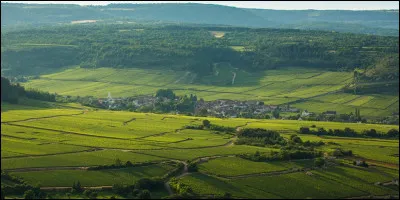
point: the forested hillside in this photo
(195, 48)
(367, 22)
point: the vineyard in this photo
(54, 147)
(310, 89)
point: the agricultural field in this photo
(318, 90)
(64, 178)
(231, 166)
(336, 182)
(53, 147)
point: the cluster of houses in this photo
(219, 108)
(120, 103)
(232, 108)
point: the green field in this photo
(76, 159)
(337, 182)
(276, 87)
(64, 178)
(238, 166)
(60, 143)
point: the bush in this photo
(87, 193)
(222, 128)
(259, 137)
(144, 194)
(304, 130)
(296, 139)
(120, 189)
(319, 162)
(29, 194)
(197, 127)
(148, 184)
(393, 133)
(192, 167)
(206, 123)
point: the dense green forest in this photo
(11, 93)
(195, 48)
(367, 22)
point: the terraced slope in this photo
(311, 89)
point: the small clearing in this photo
(217, 34)
(83, 21)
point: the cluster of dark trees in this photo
(259, 137)
(343, 117)
(341, 152)
(281, 155)
(118, 164)
(11, 93)
(348, 132)
(296, 143)
(207, 125)
(141, 188)
(20, 187)
(180, 188)
(176, 171)
(167, 101)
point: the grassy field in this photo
(336, 182)
(53, 138)
(319, 90)
(77, 159)
(65, 178)
(233, 166)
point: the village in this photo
(223, 108)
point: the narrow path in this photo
(238, 128)
(168, 117)
(183, 173)
(184, 76)
(168, 188)
(126, 122)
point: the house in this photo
(359, 162)
(293, 110)
(305, 113)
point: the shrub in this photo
(192, 167)
(29, 194)
(206, 123)
(304, 130)
(319, 162)
(144, 194)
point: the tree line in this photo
(11, 93)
